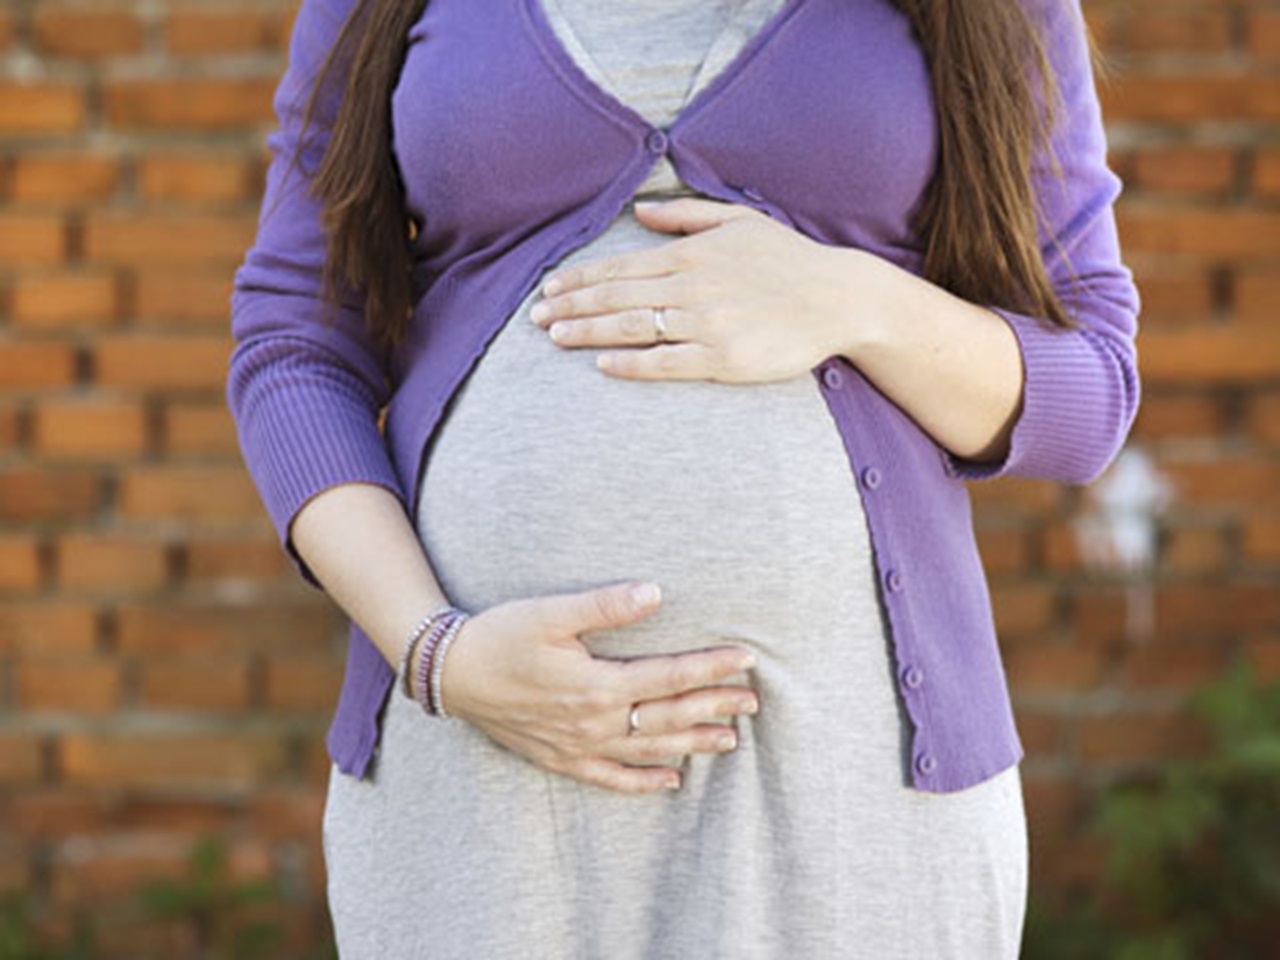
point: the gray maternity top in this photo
(549, 476)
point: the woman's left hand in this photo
(747, 298)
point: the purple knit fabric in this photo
(511, 158)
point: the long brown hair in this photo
(978, 220)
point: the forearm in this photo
(362, 548)
(953, 366)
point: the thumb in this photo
(599, 609)
(688, 214)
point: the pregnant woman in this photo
(877, 261)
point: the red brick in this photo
(298, 684)
(30, 238)
(64, 177)
(224, 630)
(1263, 655)
(183, 296)
(1004, 550)
(1140, 738)
(1266, 172)
(1225, 480)
(1175, 295)
(1051, 667)
(1264, 416)
(1263, 31)
(1262, 537)
(1061, 547)
(1165, 32)
(51, 301)
(1022, 608)
(1185, 97)
(1185, 170)
(19, 562)
(1194, 355)
(1213, 233)
(260, 559)
(39, 109)
(1204, 610)
(36, 363)
(1039, 731)
(1172, 665)
(20, 758)
(137, 239)
(235, 30)
(72, 684)
(166, 363)
(1194, 550)
(190, 104)
(87, 33)
(1183, 415)
(205, 684)
(12, 419)
(215, 761)
(199, 429)
(1015, 496)
(1257, 295)
(199, 177)
(287, 813)
(97, 561)
(190, 493)
(49, 628)
(27, 494)
(92, 428)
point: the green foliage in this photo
(21, 940)
(1193, 867)
(215, 913)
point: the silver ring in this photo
(660, 323)
(633, 720)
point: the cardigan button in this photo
(893, 580)
(913, 677)
(926, 763)
(871, 478)
(832, 378)
(656, 141)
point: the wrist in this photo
(866, 294)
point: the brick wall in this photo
(164, 673)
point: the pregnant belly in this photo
(547, 475)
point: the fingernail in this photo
(747, 661)
(727, 742)
(645, 204)
(552, 286)
(645, 594)
(673, 783)
(751, 706)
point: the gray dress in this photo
(549, 476)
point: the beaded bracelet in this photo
(437, 655)
(411, 644)
(423, 692)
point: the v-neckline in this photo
(535, 19)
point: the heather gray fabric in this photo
(548, 476)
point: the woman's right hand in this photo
(519, 672)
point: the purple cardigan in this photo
(512, 157)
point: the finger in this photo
(651, 262)
(598, 609)
(692, 214)
(631, 327)
(626, 779)
(687, 360)
(701, 706)
(598, 299)
(704, 738)
(659, 677)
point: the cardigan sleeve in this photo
(1081, 387)
(306, 383)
